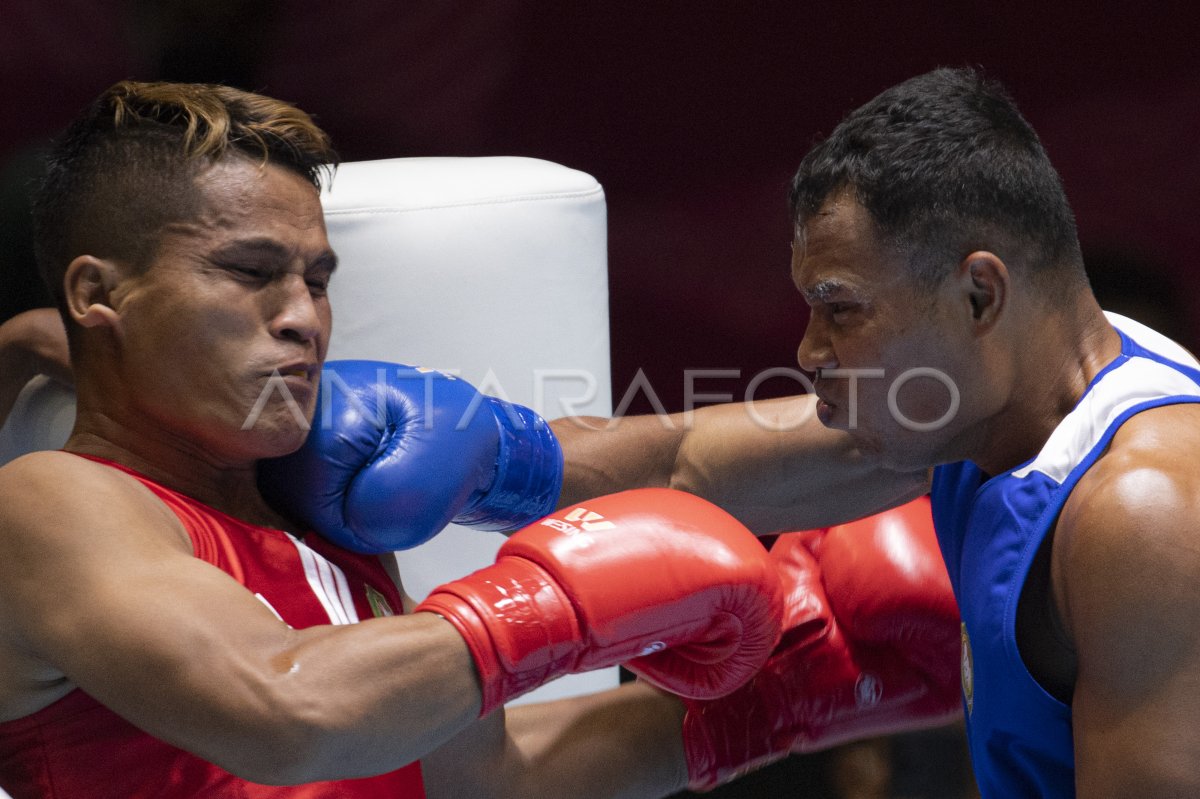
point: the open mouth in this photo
(301, 371)
(826, 411)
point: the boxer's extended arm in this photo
(31, 343)
(1126, 566)
(402, 451)
(660, 580)
(869, 613)
(624, 742)
(772, 464)
(98, 585)
(885, 578)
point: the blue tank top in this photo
(989, 531)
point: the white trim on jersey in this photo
(328, 584)
(1152, 340)
(1136, 381)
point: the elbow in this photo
(289, 744)
(277, 757)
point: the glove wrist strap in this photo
(529, 473)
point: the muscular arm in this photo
(620, 743)
(1127, 570)
(772, 464)
(98, 586)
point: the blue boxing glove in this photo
(396, 453)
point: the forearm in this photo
(772, 464)
(31, 343)
(620, 743)
(604, 456)
(16, 369)
(336, 702)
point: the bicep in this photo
(1130, 572)
(109, 598)
(1135, 709)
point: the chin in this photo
(269, 441)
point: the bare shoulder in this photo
(1135, 508)
(1126, 564)
(1148, 476)
(60, 519)
(47, 492)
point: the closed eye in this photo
(251, 273)
(318, 286)
(841, 308)
(318, 276)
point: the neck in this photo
(229, 485)
(1063, 355)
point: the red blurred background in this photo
(692, 115)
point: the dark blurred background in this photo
(692, 116)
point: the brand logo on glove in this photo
(558, 524)
(589, 520)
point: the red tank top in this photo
(76, 747)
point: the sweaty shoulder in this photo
(1126, 563)
(1127, 550)
(44, 487)
(61, 518)
(1149, 467)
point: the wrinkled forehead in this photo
(839, 250)
(249, 212)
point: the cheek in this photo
(927, 398)
(188, 349)
(917, 389)
(326, 312)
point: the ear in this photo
(89, 283)
(985, 282)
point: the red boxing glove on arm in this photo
(870, 647)
(661, 580)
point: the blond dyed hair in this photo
(126, 167)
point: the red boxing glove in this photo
(870, 647)
(661, 580)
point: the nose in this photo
(296, 316)
(816, 350)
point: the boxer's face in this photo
(873, 323)
(222, 337)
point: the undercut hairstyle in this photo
(945, 164)
(127, 166)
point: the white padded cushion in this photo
(495, 268)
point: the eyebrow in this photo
(326, 260)
(822, 290)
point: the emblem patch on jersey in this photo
(378, 602)
(968, 670)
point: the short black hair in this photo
(945, 163)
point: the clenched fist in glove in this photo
(397, 452)
(661, 580)
(870, 647)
